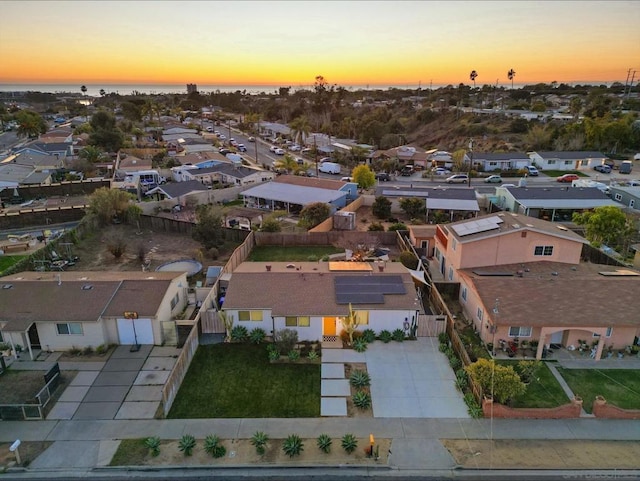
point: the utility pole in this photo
(470, 162)
(315, 152)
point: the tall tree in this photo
(30, 124)
(606, 225)
(83, 89)
(300, 129)
(473, 76)
(209, 226)
(105, 133)
(106, 204)
(313, 214)
(363, 176)
(510, 75)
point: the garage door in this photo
(143, 331)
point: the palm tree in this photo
(510, 74)
(83, 89)
(300, 129)
(473, 75)
(92, 154)
(288, 163)
(102, 93)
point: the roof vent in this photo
(87, 287)
(7, 286)
(554, 273)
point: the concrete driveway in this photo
(129, 386)
(412, 379)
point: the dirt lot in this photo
(29, 450)
(544, 454)
(364, 218)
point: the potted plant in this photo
(5, 349)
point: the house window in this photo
(618, 197)
(609, 331)
(551, 162)
(450, 273)
(632, 203)
(297, 321)
(543, 251)
(69, 328)
(464, 293)
(493, 163)
(175, 300)
(480, 314)
(584, 162)
(519, 331)
(568, 162)
(250, 315)
(363, 317)
(523, 233)
(424, 244)
(454, 244)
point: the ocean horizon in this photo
(93, 90)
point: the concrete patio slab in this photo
(62, 454)
(165, 351)
(396, 407)
(137, 410)
(332, 370)
(74, 394)
(109, 394)
(81, 366)
(410, 453)
(115, 378)
(106, 450)
(334, 387)
(151, 378)
(342, 355)
(84, 378)
(98, 410)
(144, 393)
(63, 410)
(123, 365)
(333, 406)
(441, 407)
(124, 352)
(159, 364)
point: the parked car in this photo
(300, 160)
(604, 168)
(383, 177)
(273, 148)
(251, 139)
(279, 152)
(532, 171)
(294, 148)
(223, 151)
(457, 179)
(209, 128)
(241, 148)
(441, 171)
(325, 159)
(493, 179)
(222, 136)
(567, 178)
(306, 150)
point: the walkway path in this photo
(565, 387)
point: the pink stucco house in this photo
(521, 277)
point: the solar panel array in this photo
(476, 226)
(366, 289)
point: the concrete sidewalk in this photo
(82, 445)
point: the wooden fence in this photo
(179, 371)
(431, 326)
(322, 238)
(211, 323)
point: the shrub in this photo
(369, 335)
(398, 335)
(361, 399)
(239, 334)
(376, 226)
(259, 440)
(213, 447)
(385, 336)
(293, 355)
(381, 207)
(360, 345)
(153, 443)
(443, 347)
(324, 443)
(285, 340)
(397, 226)
(454, 362)
(443, 338)
(359, 378)
(101, 349)
(408, 259)
(293, 445)
(257, 335)
(461, 383)
(186, 444)
(313, 355)
(349, 443)
(213, 253)
(74, 351)
(87, 351)
(274, 355)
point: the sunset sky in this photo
(291, 42)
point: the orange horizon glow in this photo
(274, 43)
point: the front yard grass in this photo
(291, 253)
(8, 261)
(238, 381)
(543, 391)
(620, 387)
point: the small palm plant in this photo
(293, 445)
(213, 447)
(186, 444)
(324, 443)
(362, 400)
(153, 443)
(360, 345)
(259, 440)
(359, 378)
(349, 443)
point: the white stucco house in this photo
(573, 160)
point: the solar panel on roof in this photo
(476, 226)
(362, 298)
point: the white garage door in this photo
(143, 331)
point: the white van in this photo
(329, 168)
(625, 167)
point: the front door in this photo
(34, 338)
(556, 337)
(328, 326)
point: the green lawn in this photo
(238, 381)
(8, 261)
(618, 386)
(542, 392)
(292, 253)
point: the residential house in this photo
(60, 135)
(452, 202)
(229, 174)
(574, 160)
(57, 311)
(274, 130)
(175, 190)
(404, 155)
(557, 304)
(627, 196)
(423, 238)
(501, 239)
(556, 204)
(60, 150)
(351, 188)
(501, 161)
(292, 198)
(312, 297)
(131, 163)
